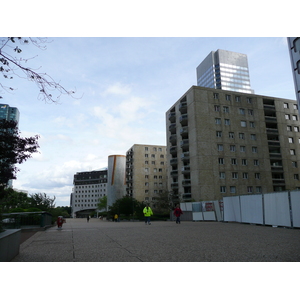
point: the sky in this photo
(124, 86)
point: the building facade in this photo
(9, 114)
(225, 70)
(146, 176)
(224, 143)
(88, 188)
(116, 184)
(294, 50)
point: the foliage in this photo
(13, 150)
(13, 64)
(127, 206)
(42, 201)
(102, 204)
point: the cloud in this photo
(117, 89)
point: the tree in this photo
(127, 206)
(12, 64)
(42, 201)
(13, 150)
(102, 203)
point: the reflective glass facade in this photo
(9, 113)
(225, 70)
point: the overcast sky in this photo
(123, 86)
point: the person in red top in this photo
(60, 222)
(177, 212)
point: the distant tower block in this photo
(116, 183)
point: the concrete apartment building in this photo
(88, 188)
(146, 172)
(294, 50)
(225, 143)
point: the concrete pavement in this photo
(104, 241)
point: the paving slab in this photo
(105, 241)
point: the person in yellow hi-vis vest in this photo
(147, 213)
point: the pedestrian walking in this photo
(177, 213)
(147, 213)
(59, 222)
(88, 218)
(116, 217)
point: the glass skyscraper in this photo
(9, 113)
(225, 70)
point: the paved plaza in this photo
(106, 241)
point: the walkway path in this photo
(103, 241)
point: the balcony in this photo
(172, 128)
(183, 107)
(185, 156)
(184, 120)
(186, 196)
(186, 182)
(174, 173)
(172, 117)
(173, 161)
(174, 185)
(184, 144)
(173, 139)
(185, 169)
(173, 150)
(184, 131)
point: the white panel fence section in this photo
(276, 209)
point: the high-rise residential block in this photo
(294, 50)
(225, 70)
(224, 143)
(146, 172)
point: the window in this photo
(245, 175)
(146, 148)
(238, 98)
(243, 148)
(153, 162)
(231, 135)
(294, 164)
(257, 175)
(221, 161)
(254, 149)
(233, 161)
(222, 175)
(153, 155)
(295, 106)
(146, 155)
(146, 162)
(244, 162)
(285, 105)
(242, 135)
(250, 112)
(227, 122)
(219, 133)
(218, 121)
(146, 170)
(220, 147)
(295, 118)
(250, 189)
(292, 152)
(291, 140)
(232, 148)
(242, 111)
(225, 109)
(228, 97)
(232, 190)
(256, 162)
(253, 137)
(217, 108)
(216, 96)
(249, 100)
(289, 128)
(234, 175)
(296, 176)
(243, 123)
(258, 189)
(287, 117)
(222, 189)
(252, 124)
(296, 128)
